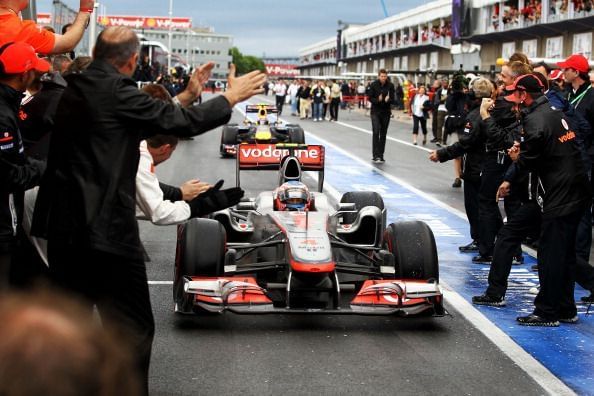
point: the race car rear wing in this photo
(269, 156)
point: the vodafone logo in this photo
(270, 152)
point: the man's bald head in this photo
(116, 45)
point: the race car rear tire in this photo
(296, 134)
(361, 199)
(413, 245)
(228, 136)
(200, 251)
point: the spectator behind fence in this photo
(12, 28)
(85, 207)
(50, 346)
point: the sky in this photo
(261, 27)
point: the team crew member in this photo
(163, 204)
(471, 145)
(86, 207)
(381, 96)
(280, 90)
(549, 148)
(18, 67)
(12, 28)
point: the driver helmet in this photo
(292, 195)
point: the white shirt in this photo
(292, 91)
(280, 89)
(150, 204)
(417, 106)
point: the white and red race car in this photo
(292, 251)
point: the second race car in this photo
(260, 125)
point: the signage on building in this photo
(144, 22)
(44, 18)
(281, 70)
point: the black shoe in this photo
(438, 144)
(535, 320)
(471, 247)
(434, 140)
(457, 183)
(482, 259)
(485, 299)
(415, 143)
(424, 140)
(570, 320)
(518, 260)
(381, 159)
(588, 299)
(534, 268)
(375, 159)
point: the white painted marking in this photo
(539, 373)
(160, 282)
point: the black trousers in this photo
(434, 124)
(556, 268)
(334, 103)
(471, 205)
(117, 286)
(280, 102)
(489, 215)
(416, 122)
(379, 125)
(525, 221)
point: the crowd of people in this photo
(532, 11)
(80, 142)
(78, 149)
(525, 138)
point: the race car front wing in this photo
(242, 295)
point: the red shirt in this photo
(12, 28)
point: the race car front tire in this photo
(200, 251)
(413, 245)
(228, 136)
(296, 134)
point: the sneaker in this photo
(315, 120)
(570, 320)
(471, 247)
(485, 299)
(588, 299)
(482, 259)
(457, 183)
(434, 140)
(535, 320)
(518, 260)
(534, 290)
(438, 144)
(375, 159)
(381, 159)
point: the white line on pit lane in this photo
(539, 373)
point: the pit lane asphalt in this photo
(296, 355)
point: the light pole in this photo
(93, 28)
(170, 36)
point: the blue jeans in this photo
(318, 108)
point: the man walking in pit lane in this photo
(548, 147)
(86, 207)
(381, 96)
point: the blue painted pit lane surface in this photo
(567, 351)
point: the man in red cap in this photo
(12, 28)
(581, 98)
(548, 146)
(18, 66)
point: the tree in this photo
(246, 63)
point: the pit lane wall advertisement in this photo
(281, 70)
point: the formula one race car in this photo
(291, 251)
(261, 125)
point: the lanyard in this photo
(579, 98)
